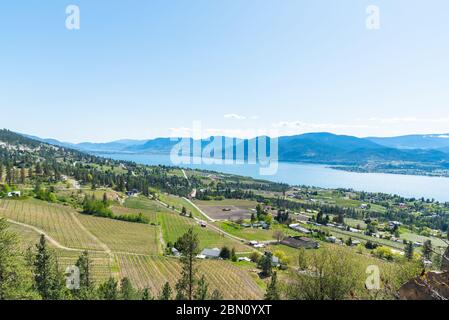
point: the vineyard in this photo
(121, 236)
(174, 226)
(153, 272)
(56, 220)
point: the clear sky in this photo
(137, 69)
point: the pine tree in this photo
(272, 290)
(166, 293)
(48, 279)
(108, 290)
(16, 280)
(188, 246)
(87, 286)
(409, 250)
(202, 289)
(427, 250)
(127, 291)
(146, 294)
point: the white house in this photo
(14, 194)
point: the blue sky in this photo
(138, 69)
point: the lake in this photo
(319, 176)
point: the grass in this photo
(152, 272)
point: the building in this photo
(132, 192)
(14, 194)
(210, 253)
(297, 227)
(300, 242)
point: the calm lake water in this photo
(319, 176)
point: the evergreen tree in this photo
(427, 250)
(266, 264)
(146, 294)
(409, 250)
(87, 287)
(188, 246)
(108, 290)
(166, 293)
(127, 291)
(49, 280)
(272, 290)
(16, 280)
(202, 289)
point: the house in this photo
(14, 194)
(132, 193)
(244, 259)
(300, 242)
(175, 252)
(210, 253)
(297, 227)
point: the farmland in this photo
(153, 272)
(227, 209)
(57, 221)
(174, 226)
(121, 236)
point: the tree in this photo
(22, 175)
(409, 250)
(302, 260)
(266, 264)
(127, 291)
(233, 255)
(225, 253)
(279, 235)
(166, 292)
(16, 281)
(108, 290)
(48, 279)
(427, 250)
(253, 218)
(334, 274)
(202, 289)
(87, 285)
(272, 290)
(188, 246)
(146, 294)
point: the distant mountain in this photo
(319, 147)
(429, 141)
(114, 146)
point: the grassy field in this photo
(153, 272)
(56, 220)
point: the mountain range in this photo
(319, 147)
